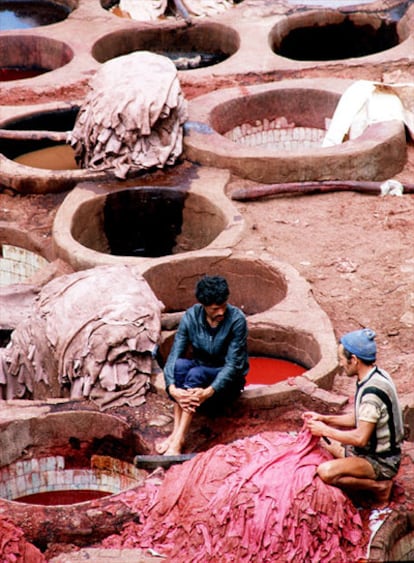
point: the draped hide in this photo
(257, 499)
(132, 119)
(91, 334)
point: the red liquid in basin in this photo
(53, 498)
(266, 371)
(7, 74)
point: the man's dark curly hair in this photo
(212, 290)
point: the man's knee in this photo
(327, 472)
(196, 377)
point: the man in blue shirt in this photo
(215, 374)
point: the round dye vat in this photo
(26, 15)
(55, 498)
(58, 157)
(267, 371)
(41, 153)
(347, 36)
(191, 47)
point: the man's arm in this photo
(358, 436)
(235, 357)
(346, 420)
(179, 346)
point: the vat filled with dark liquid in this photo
(26, 15)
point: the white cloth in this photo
(364, 103)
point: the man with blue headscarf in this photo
(372, 434)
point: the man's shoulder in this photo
(193, 311)
(236, 311)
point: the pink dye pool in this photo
(266, 371)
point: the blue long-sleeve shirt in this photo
(225, 346)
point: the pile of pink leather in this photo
(14, 548)
(91, 335)
(254, 500)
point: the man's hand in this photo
(316, 427)
(310, 415)
(203, 394)
(186, 398)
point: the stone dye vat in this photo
(98, 223)
(34, 157)
(272, 133)
(17, 14)
(331, 35)
(283, 319)
(31, 56)
(57, 455)
(189, 47)
(22, 255)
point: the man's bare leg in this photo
(163, 446)
(354, 474)
(178, 438)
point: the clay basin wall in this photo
(37, 442)
(284, 320)
(257, 113)
(72, 50)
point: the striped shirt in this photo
(376, 401)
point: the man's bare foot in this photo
(173, 449)
(163, 446)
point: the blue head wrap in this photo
(361, 343)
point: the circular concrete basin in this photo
(330, 35)
(136, 223)
(283, 319)
(22, 255)
(147, 222)
(394, 539)
(196, 46)
(254, 287)
(17, 14)
(70, 451)
(32, 54)
(34, 157)
(272, 133)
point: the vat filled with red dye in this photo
(69, 496)
(265, 370)
(19, 73)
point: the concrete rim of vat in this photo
(34, 51)
(39, 426)
(394, 540)
(319, 18)
(293, 326)
(204, 36)
(377, 154)
(209, 186)
(27, 179)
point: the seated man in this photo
(216, 372)
(374, 431)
